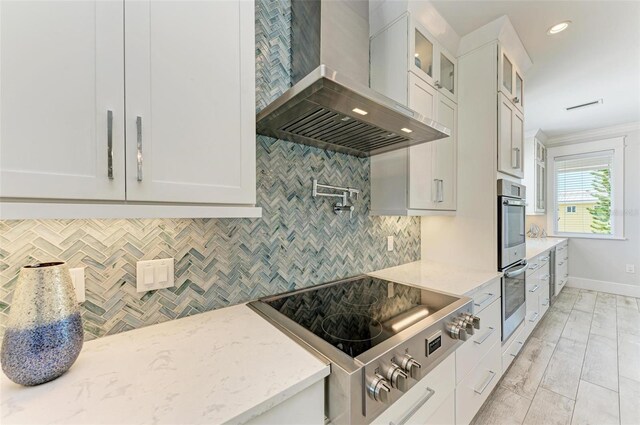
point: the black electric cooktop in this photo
(354, 315)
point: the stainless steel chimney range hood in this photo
(330, 104)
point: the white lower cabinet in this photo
(481, 341)
(474, 389)
(304, 408)
(445, 414)
(513, 347)
(425, 402)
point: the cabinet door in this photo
(447, 73)
(423, 98)
(422, 53)
(506, 71)
(445, 156)
(62, 72)
(510, 138)
(518, 99)
(190, 101)
(517, 143)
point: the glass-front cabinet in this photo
(447, 82)
(535, 174)
(510, 78)
(431, 61)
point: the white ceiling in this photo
(598, 56)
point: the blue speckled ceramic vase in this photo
(44, 332)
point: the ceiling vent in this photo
(584, 105)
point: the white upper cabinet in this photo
(510, 138)
(510, 81)
(188, 136)
(430, 61)
(535, 174)
(190, 101)
(406, 46)
(421, 179)
(62, 100)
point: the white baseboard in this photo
(604, 286)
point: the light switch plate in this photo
(154, 274)
(389, 243)
(77, 278)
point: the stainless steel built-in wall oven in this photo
(511, 254)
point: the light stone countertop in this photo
(536, 247)
(227, 365)
(438, 276)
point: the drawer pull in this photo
(534, 289)
(492, 375)
(560, 263)
(566, 258)
(546, 303)
(544, 259)
(484, 301)
(533, 266)
(534, 317)
(517, 352)
(487, 335)
(545, 277)
(430, 392)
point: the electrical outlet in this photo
(389, 243)
(631, 268)
(77, 278)
(154, 274)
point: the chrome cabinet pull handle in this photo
(441, 190)
(110, 145)
(480, 303)
(492, 375)
(518, 352)
(487, 335)
(416, 407)
(139, 147)
(534, 317)
(534, 289)
(436, 189)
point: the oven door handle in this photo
(514, 202)
(517, 272)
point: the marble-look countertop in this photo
(536, 247)
(227, 365)
(438, 276)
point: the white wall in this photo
(605, 260)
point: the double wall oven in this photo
(511, 254)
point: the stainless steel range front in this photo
(380, 337)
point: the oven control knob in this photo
(378, 388)
(408, 363)
(474, 320)
(457, 332)
(463, 323)
(396, 376)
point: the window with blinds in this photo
(584, 193)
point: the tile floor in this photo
(581, 365)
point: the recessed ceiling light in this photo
(558, 27)
(359, 111)
(406, 130)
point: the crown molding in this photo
(590, 135)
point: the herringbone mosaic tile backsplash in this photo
(298, 242)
